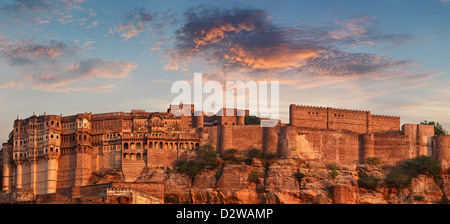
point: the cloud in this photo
(140, 19)
(54, 66)
(241, 40)
(25, 54)
(352, 28)
(24, 5)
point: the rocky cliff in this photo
(290, 181)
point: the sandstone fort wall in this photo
(52, 153)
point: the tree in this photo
(438, 129)
(252, 120)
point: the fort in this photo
(50, 154)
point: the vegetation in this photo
(333, 166)
(334, 174)
(254, 176)
(232, 156)
(255, 153)
(418, 198)
(366, 181)
(409, 169)
(252, 120)
(374, 161)
(334, 169)
(206, 159)
(438, 129)
(299, 175)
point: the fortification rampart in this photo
(359, 121)
(50, 153)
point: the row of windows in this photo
(38, 139)
(39, 152)
(160, 145)
(36, 126)
(317, 113)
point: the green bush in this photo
(255, 153)
(299, 175)
(254, 176)
(366, 181)
(411, 168)
(206, 159)
(272, 157)
(333, 166)
(252, 120)
(374, 160)
(334, 174)
(422, 165)
(398, 179)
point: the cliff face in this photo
(294, 182)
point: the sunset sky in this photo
(72, 56)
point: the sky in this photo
(391, 57)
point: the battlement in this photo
(360, 121)
(384, 116)
(344, 110)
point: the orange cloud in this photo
(280, 56)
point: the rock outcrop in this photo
(289, 181)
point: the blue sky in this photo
(74, 56)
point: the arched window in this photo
(52, 123)
(138, 145)
(138, 156)
(125, 145)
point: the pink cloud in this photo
(56, 65)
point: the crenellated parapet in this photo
(360, 121)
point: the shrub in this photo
(271, 157)
(422, 165)
(206, 147)
(218, 174)
(366, 181)
(255, 153)
(252, 120)
(181, 166)
(418, 198)
(206, 158)
(333, 166)
(334, 174)
(299, 175)
(230, 153)
(412, 168)
(254, 176)
(398, 179)
(374, 160)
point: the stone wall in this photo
(332, 118)
(320, 145)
